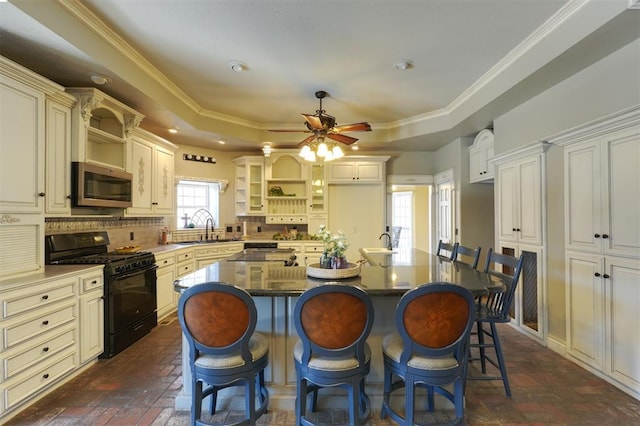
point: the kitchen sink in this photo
(377, 250)
(225, 240)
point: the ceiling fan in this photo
(323, 125)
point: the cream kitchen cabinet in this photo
(206, 254)
(43, 323)
(286, 190)
(151, 162)
(602, 300)
(22, 137)
(480, 152)
(100, 127)
(602, 241)
(519, 197)
(58, 154)
(318, 200)
(91, 315)
(249, 186)
(165, 276)
(602, 197)
(361, 171)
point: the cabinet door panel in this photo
(141, 158)
(506, 201)
(339, 172)
(58, 156)
(164, 186)
(623, 315)
(583, 195)
(585, 310)
(530, 206)
(623, 212)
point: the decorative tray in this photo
(127, 249)
(314, 270)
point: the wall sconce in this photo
(200, 158)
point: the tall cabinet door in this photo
(141, 166)
(506, 193)
(582, 198)
(622, 295)
(621, 218)
(585, 307)
(529, 202)
(164, 187)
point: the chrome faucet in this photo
(389, 245)
(206, 231)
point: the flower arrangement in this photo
(335, 247)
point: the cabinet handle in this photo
(45, 376)
(513, 229)
(45, 297)
(45, 322)
(605, 276)
(596, 235)
(41, 194)
(45, 349)
(605, 236)
(518, 229)
(94, 282)
(597, 274)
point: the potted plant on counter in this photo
(335, 247)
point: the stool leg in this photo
(501, 363)
(481, 348)
(410, 399)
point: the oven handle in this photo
(136, 272)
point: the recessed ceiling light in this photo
(99, 79)
(237, 66)
(403, 65)
(173, 130)
(221, 141)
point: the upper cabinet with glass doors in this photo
(249, 178)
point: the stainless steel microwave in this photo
(96, 186)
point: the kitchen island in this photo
(275, 288)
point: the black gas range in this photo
(129, 284)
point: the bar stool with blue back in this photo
(446, 251)
(471, 256)
(218, 321)
(429, 348)
(333, 322)
(494, 309)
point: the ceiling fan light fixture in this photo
(98, 79)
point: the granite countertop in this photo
(273, 279)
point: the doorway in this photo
(411, 210)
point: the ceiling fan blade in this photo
(347, 140)
(313, 121)
(307, 140)
(289, 131)
(353, 127)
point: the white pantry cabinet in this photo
(602, 242)
(151, 162)
(602, 194)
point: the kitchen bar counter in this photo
(275, 289)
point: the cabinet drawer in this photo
(21, 331)
(163, 261)
(56, 368)
(49, 346)
(313, 248)
(92, 283)
(184, 268)
(181, 257)
(37, 297)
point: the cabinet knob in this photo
(154, 204)
(41, 194)
(518, 229)
(597, 274)
(45, 349)
(513, 229)
(45, 376)
(45, 322)
(605, 236)
(596, 235)
(45, 297)
(68, 197)
(605, 276)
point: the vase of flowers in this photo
(335, 248)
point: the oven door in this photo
(132, 297)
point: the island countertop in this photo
(395, 275)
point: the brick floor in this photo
(138, 387)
